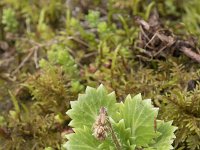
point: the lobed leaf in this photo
(86, 109)
(139, 117)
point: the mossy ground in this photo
(51, 50)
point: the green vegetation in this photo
(50, 51)
(128, 125)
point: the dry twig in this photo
(33, 51)
(157, 41)
(188, 52)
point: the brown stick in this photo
(31, 52)
(190, 53)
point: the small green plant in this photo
(93, 18)
(99, 122)
(59, 56)
(50, 87)
(9, 20)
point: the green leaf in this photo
(123, 133)
(86, 109)
(83, 139)
(15, 102)
(164, 141)
(139, 116)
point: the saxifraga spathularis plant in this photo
(99, 122)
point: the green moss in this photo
(50, 51)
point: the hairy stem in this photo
(114, 137)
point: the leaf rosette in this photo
(133, 123)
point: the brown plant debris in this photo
(158, 42)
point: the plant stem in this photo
(114, 137)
